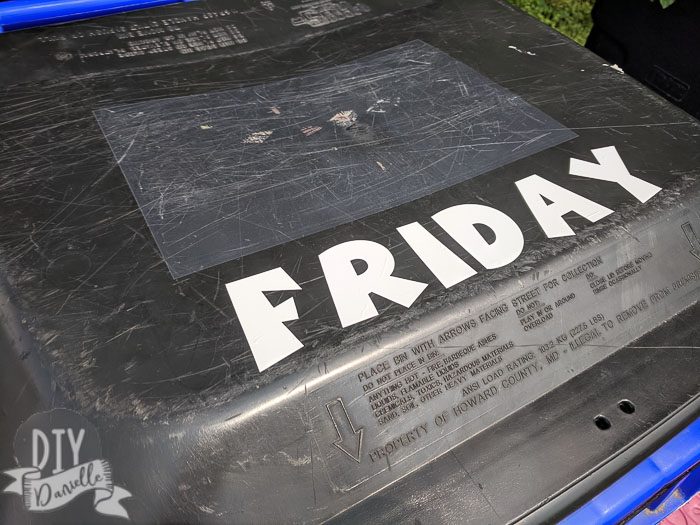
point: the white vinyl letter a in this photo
(269, 340)
(350, 291)
(550, 216)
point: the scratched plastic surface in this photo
(93, 320)
(182, 33)
(223, 175)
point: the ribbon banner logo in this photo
(61, 450)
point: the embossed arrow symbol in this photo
(349, 439)
(692, 239)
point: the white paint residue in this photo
(310, 130)
(381, 105)
(381, 165)
(344, 118)
(161, 205)
(205, 126)
(615, 67)
(297, 462)
(378, 106)
(522, 52)
(275, 110)
(257, 137)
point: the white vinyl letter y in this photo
(610, 168)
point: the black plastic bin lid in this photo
(362, 261)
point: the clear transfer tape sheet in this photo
(222, 175)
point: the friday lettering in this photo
(263, 324)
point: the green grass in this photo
(570, 17)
